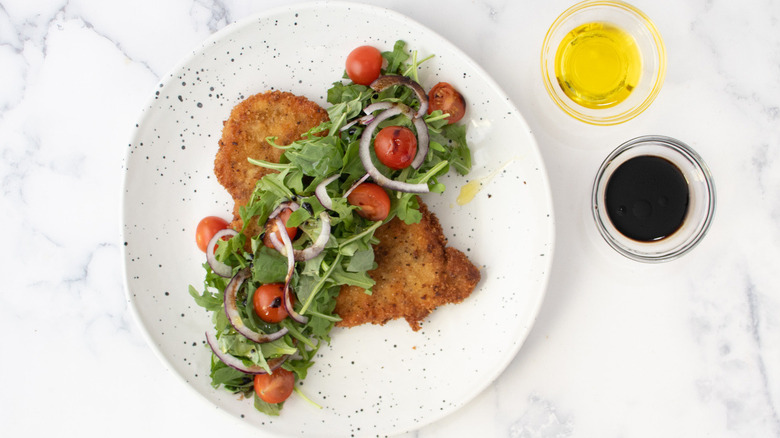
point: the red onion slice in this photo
(231, 310)
(292, 205)
(321, 192)
(365, 120)
(322, 239)
(218, 267)
(422, 142)
(301, 255)
(348, 125)
(383, 82)
(365, 155)
(238, 364)
(288, 305)
(278, 245)
(369, 110)
(377, 106)
(355, 184)
(288, 250)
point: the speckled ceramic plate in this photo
(371, 380)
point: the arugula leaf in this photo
(271, 409)
(362, 261)
(407, 208)
(230, 252)
(321, 156)
(298, 217)
(397, 57)
(461, 155)
(359, 279)
(268, 266)
(209, 301)
(232, 379)
(344, 93)
(274, 185)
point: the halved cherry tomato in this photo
(268, 302)
(364, 65)
(373, 201)
(444, 97)
(395, 146)
(271, 227)
(276, 387)
(207, 228)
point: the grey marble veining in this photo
(685, 349)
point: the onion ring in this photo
(383, 82)
(288, 305)
(278, 245)
(348, 125)
(356, 183)
(322, 239)
(218, 267)
(292, 205)
(301, 255)
(422, 142)
(231, 311)
(369, 110)
(238, 364)
(321, 191)
(365, 155)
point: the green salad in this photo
(321, 224)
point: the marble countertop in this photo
(689, 348)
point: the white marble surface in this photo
(689, 348)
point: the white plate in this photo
(372, 379)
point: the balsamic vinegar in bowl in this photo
(647, 198)
(653, 199)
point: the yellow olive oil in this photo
(468, 191)
(471, 188)
(598, 65)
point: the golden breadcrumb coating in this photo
(270, 114)
(416, 273)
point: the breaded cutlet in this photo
(416, 270)
(270, 114)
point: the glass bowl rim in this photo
(703, 223)
(571, 108)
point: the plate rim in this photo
(230, 28)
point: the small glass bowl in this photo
(651, 48)
(701, 199)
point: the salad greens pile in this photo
(328, 149)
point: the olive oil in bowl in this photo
(603, 62)
(598, 65)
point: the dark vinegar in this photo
(647, 198)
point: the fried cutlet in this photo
(270, 114)
(416, 273)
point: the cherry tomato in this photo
(268, 302)
(364, 65)
(373, 201)
(207, 228)
(272, 228)
(444, 97)
(395, 146)
(276, 387)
